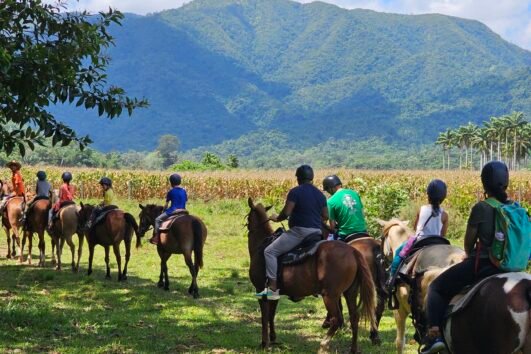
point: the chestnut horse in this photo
(116, 227)
(335, 269)
(11, 220)
(395, 232)
(36, 221)
(186, 235)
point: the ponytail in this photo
(499, 193)
(435, 206)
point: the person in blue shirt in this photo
(177, 197)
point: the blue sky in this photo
(509, 18)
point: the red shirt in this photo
(66, 193)
(18, 184)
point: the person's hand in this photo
(274, 218)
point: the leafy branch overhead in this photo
(49, 57)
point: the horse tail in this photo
(368, 299)
(131, 221)
(380, 274)
(198, 242)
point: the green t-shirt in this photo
(346, 209)
(108, 197)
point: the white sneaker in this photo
(270, 294)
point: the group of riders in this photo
(308, 211)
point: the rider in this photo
(66, 194)
(107, 203)
(344, 209)
(431, 220)
(42, 189)
(306, 209)
(476, 265)
(17, 182)
(178, 198)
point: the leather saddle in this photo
(177, 214)
(356, 236)
(306, 249)
(101, 214)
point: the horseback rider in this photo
(344, 209)
(476, 265)
(18, 185)
(66, 194)
(43, 187)
(431, 220)
(178, 198)
(106, 204)
(306, 209)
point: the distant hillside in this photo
(216, 70)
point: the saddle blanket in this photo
(166, 224)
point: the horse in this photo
(117, 226)
(500, 310)
(187, 235)
(11, 220)
(335, 269)
(62, 231)
(371, 250)
(36, 221)
(414, 291)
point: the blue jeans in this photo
(397, 259)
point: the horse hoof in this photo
(57, 268)
(326, 324)
(160, 284)
(195, 295)
(124, 278)
(8, 256)
(376, 341)
(108, 277)
(167, 288)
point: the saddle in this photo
(356, 236)
(101, 213)
(306, 249)
(61, 207)
(177, 214)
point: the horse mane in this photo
(396, 222)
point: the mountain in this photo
(226, 70)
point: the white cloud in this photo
(510, 18)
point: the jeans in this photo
(159, 220)
(284, 243)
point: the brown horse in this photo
(335, 269)
(116, 227)
(497, 319)
(36, 221)
(186, 235)
(11, 220)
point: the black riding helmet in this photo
(175, 179)
(436, 190)
(66, 176)
(304, 173)
(41, 175)
(331, 182)
(106, 181)
(495, 176)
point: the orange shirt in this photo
(66, 193)
(18, 184)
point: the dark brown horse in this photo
(116, 227)
(36, 221)
(186, 235)
(336, 269)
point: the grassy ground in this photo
(42, 310)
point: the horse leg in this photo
(166, 276)
(264, 309)
(73, 252)
(332, 306)
(192, 290)
(272, 312)
(42, 248)
(160, 284)
(19, 244)
(24, 238)
(30, 244)
(54, 245)
(374, 334)
(350, 296)
(60, 246)
(108, 274)
(400, 319)
(127, 256)
(91, 257)
(116, 249)
(8, 243)
(79, 249)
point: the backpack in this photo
(512, 220)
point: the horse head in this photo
(84, 213)
(258, 221)
(394, 233)
(147, 216)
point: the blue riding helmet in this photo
(66, 176)
(175, 179)
(41, 175)
(436, 190)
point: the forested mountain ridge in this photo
(222, 69)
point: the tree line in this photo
(506, 138)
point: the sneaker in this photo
(270, 294)
(433, 346)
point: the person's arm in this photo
(444, 219)
(285, 213)
(324, 214)
(471, 236)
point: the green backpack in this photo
(512, 220)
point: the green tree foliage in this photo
(168, 148)
(49, 57)
(232, 161)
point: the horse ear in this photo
(381, 222)
(141, 206)
(250, 202)
(81, 204)
(269, 207)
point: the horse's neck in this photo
(397, 238)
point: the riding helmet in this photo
(495, 176)
(436, 190)
(304, 173)
(41, 175)
(175, 179)
(66, 176)
(330, 182)
(106, 181)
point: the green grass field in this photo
(42, 310)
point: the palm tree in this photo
(516, 122)
(491, 133)
(481, 140)
(445, 141)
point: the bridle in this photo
(150, 222)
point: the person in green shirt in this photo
(108, 193)
(345, 209)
